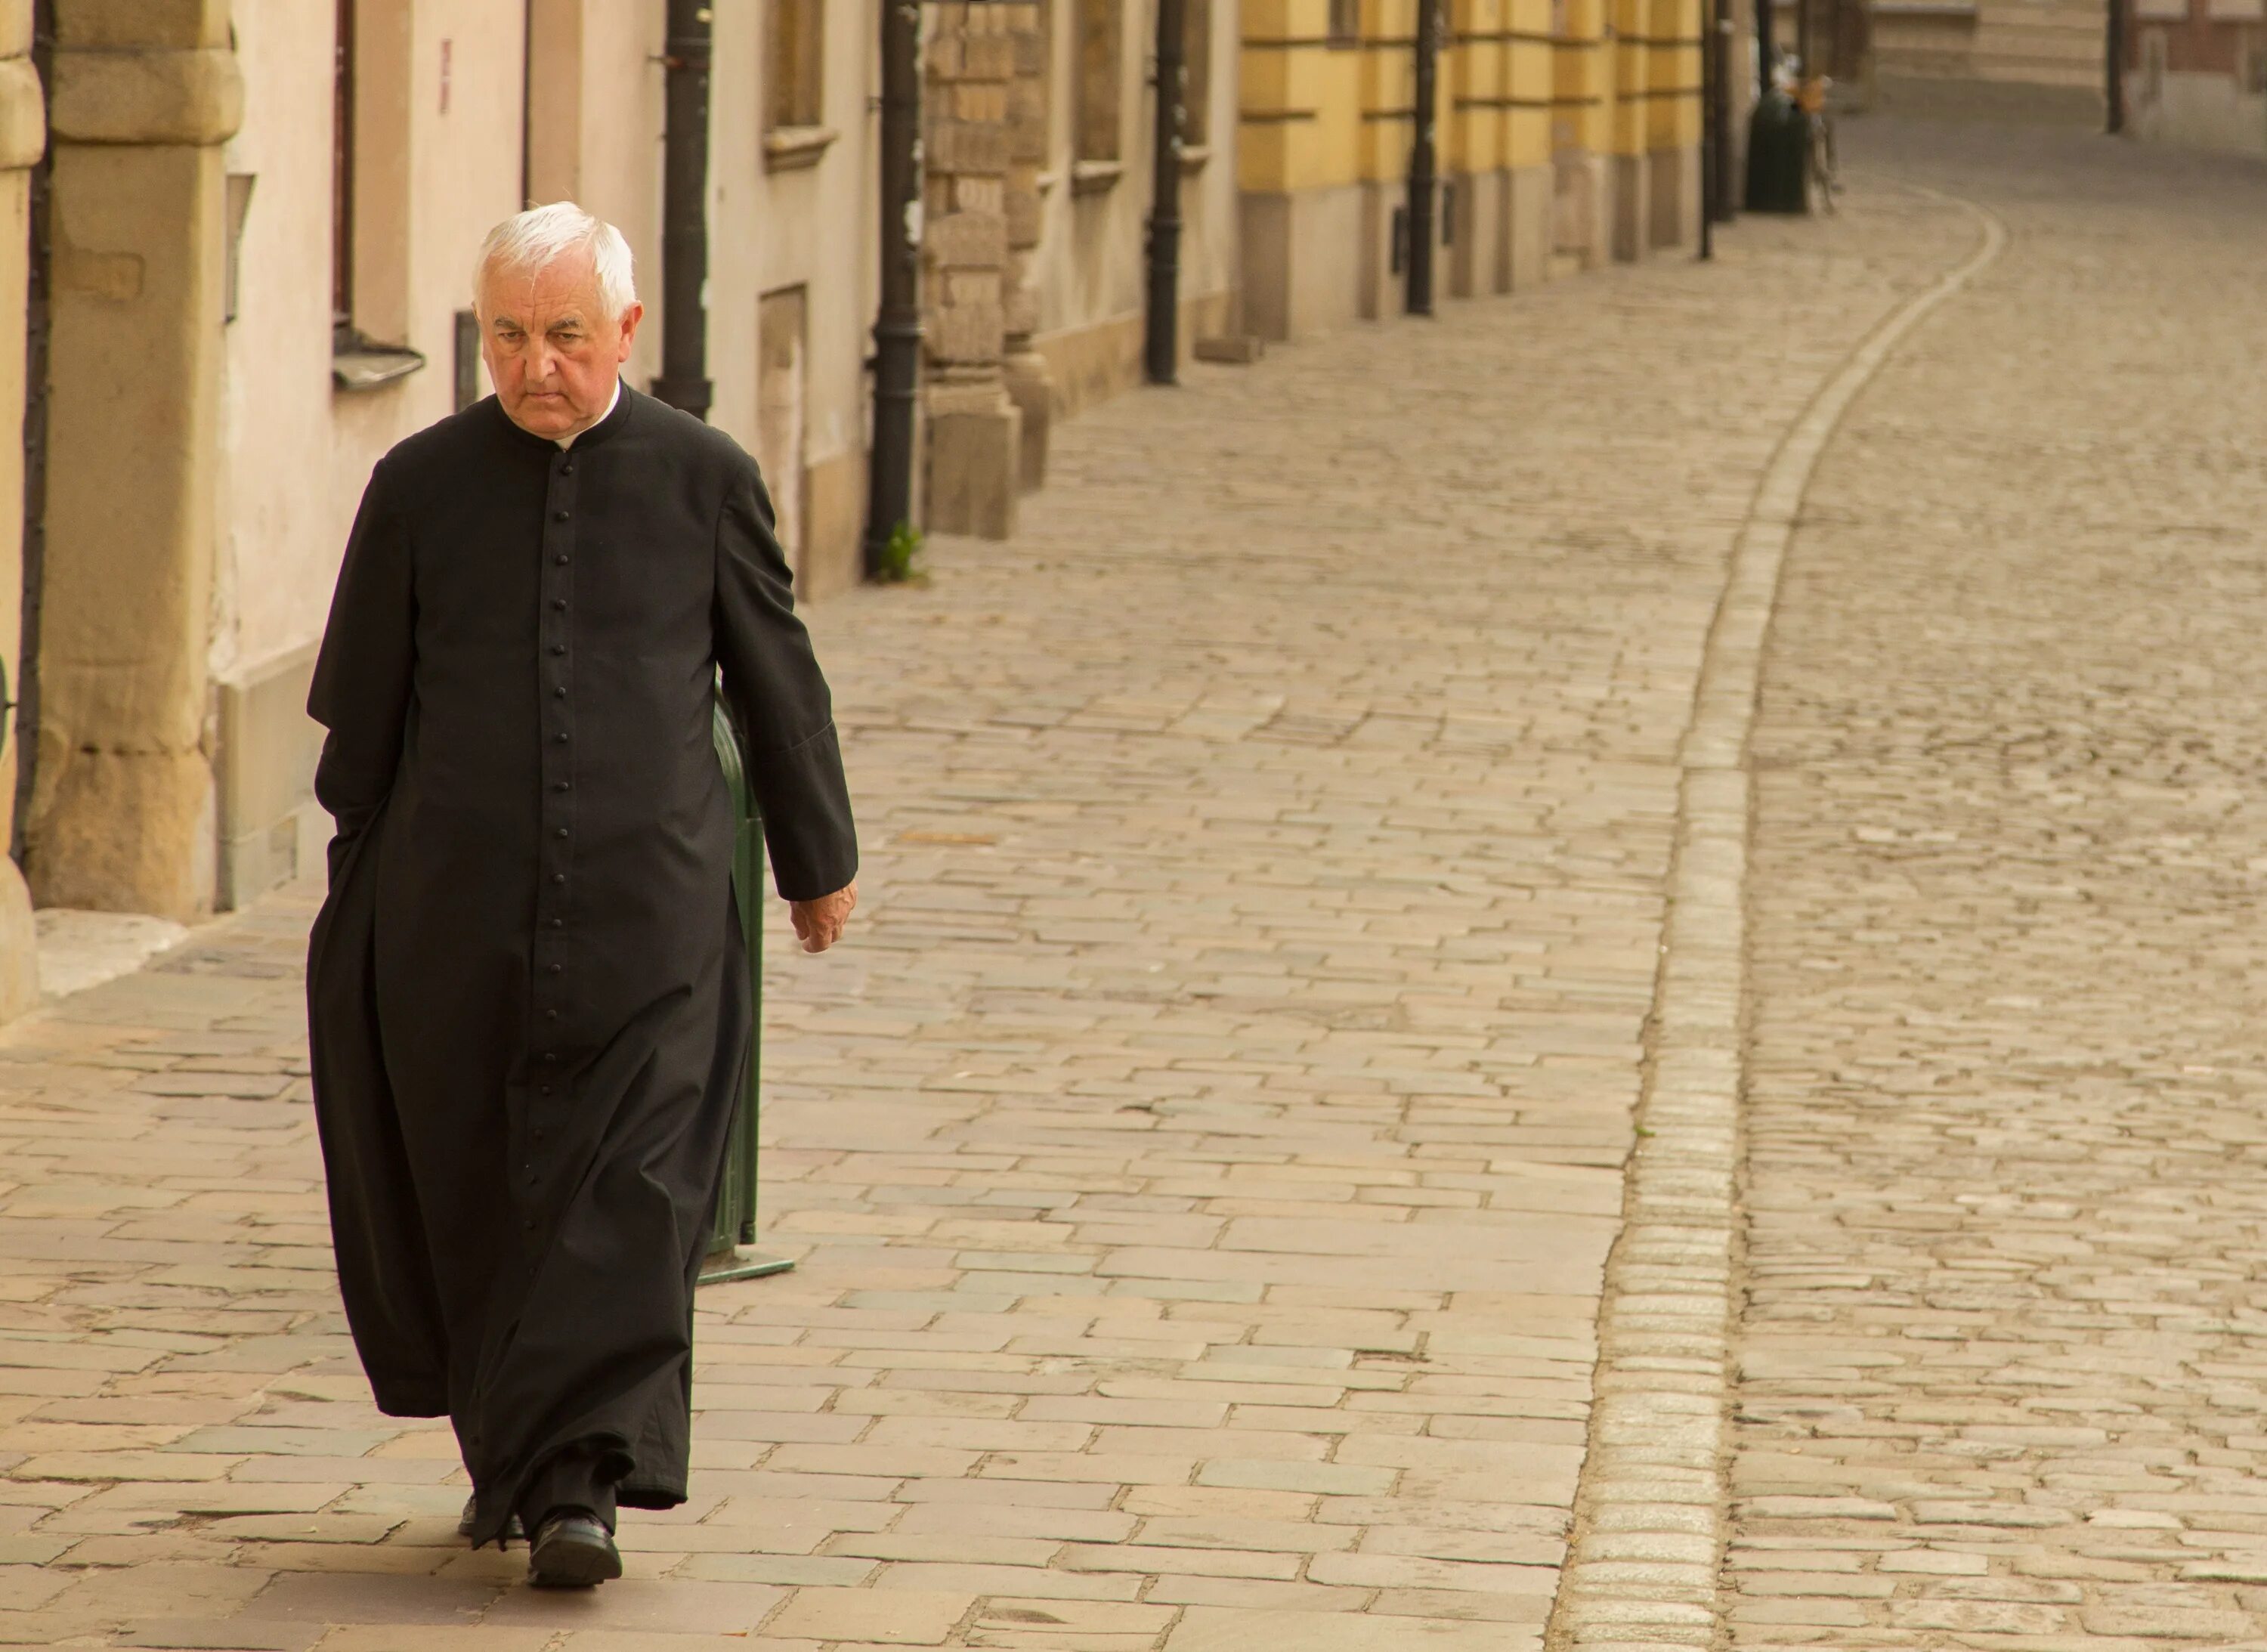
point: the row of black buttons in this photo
(558, 789)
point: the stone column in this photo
(23, 133)
(974, 428)
(144, 95)
(1023, 369)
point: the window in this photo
(1101, 34)
(795, 63)
(1346, 23)
(370, 195)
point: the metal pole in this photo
(684, 381)
(2114, 68)
(1711, 127)
(898, 326)
(1162, 340)
(1767, 44)
(1423, 162)
(37, 330)
(1723, 41)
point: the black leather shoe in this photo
(572, 1551)
(511, 1527)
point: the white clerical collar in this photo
(566, 442)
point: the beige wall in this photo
(596, 128)
(782, 220)
(1088, 271)
(440, 153)
(438, 165)
(298, 450)
(2043, 43)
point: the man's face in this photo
(551, 348)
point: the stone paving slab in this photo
(1201, 1164)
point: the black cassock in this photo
(527, 992)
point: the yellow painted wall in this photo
(1520, 79)
(1300, 96)
(1532, 81)
(1674, 117)
(1475, 131)
(1582, 78)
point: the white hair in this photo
(527, 241)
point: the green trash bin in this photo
(735, 1226)
(1779, 156)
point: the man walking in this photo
(527, 992)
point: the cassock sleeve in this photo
(780, 701)
(361, 682)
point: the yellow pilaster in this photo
(1581, 77)
(1298, 98)
(1674, 75)
(1531, 81)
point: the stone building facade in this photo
(1569, 134)
(2196, 74)
(2040, 59)
(264, 214)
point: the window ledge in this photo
(357, 365)
(1193, 157)
(1046, 181)
(791, 148)
(1094, 177)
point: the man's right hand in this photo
(818, 924)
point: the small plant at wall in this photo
(901, 557)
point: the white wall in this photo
(1090, 265)
(299, 451)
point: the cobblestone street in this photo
(2002, 1349)
(1203, 1159)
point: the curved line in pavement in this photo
(1651, 1518)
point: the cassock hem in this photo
(413, 1396)
(647, 1494)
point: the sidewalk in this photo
(1201, 1161)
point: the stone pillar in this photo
(974, 429)
(1023, 369)
(122, 813)
(23, 133)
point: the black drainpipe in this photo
(898, 325)
(1424, 163)
(37, 325)
(2113, 65)
(684, 381)
(1162, 345)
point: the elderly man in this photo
(527, 992)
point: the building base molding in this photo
(19, 962)
(1530, 197)
(1029, 381)
(1582, 210)
(1632, 194)
(1302, 260)
(271, 829)
(1479, 234)
(975, 460)
(1088, 365)
(1674, 192)
(834, 526)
